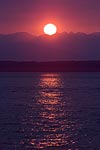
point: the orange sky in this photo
(31, 16)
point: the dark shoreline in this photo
(53, 66)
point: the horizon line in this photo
(37, 35)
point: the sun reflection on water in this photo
(51, 111)
(47, 124)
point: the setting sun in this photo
(50, 29)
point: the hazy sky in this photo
(31, 15)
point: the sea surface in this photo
(50, 111)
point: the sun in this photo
(50, 29)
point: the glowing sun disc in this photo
(50, 29)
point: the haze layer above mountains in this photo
(59, 47)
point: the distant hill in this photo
(61, 46)
(56, 66)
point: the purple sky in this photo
(31, 15)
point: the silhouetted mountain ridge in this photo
(61, 46)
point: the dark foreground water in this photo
(52, 111)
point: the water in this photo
(50, 111)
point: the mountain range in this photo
(23, 46)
